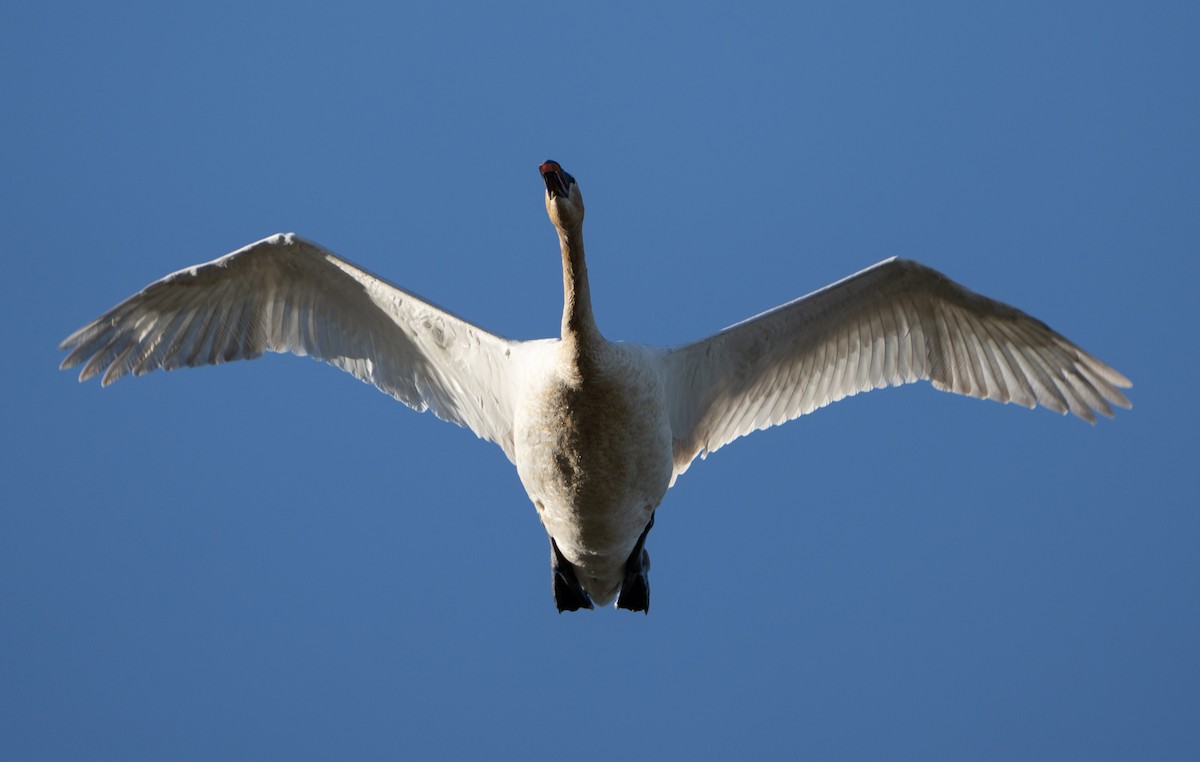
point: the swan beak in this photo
(558, 182)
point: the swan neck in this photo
(577, 321)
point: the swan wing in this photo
(286, 294)
(893, 323)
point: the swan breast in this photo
(594, 452)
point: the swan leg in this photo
(569, 595)
(635, 589)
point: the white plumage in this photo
(597, 430)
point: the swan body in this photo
(595, 455)
(598, 430)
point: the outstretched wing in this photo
(893, 323)
(286, 294)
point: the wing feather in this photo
(286, 294)
(894, 323)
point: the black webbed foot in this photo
(569, 595)
(635, 589)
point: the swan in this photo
(597, 430)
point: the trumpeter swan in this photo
(598, 430)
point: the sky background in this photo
(272, 560)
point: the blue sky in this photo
(272, 560)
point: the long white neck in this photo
(578, 324)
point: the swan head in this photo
(564, 203)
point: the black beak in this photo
(558, 182)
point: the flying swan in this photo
(598, 430)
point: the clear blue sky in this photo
(272, 560)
